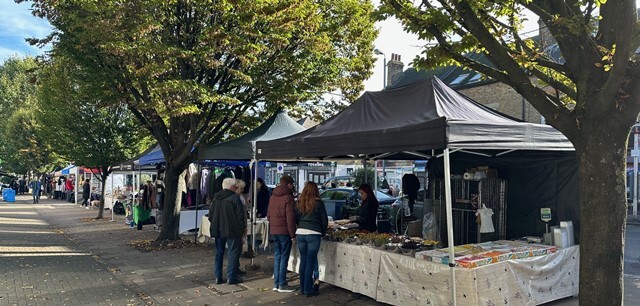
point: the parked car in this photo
(338, 181)
(341, 203)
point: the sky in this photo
(17, 23)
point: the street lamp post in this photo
(384, 67)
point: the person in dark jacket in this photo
(368, 210)
(263, 198)
(312, 226)
(86, 193)
(282, 225)
(36, 187)
(228, 223)
(22, 185)
(410, 187)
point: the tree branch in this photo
(567, 90)
(615, 16)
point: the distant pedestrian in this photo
(86, 194)
(312, 225)
(14, 185)
(22, 182)
(69, 190)
(282, 224)
(36, 187)
(228, 223)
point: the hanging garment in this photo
(485, 220)
(193, 179)
(204, 182)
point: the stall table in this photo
(262, 230)
(403, 280)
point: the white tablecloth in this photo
(402, 280)
(262, 230)
(188, 219)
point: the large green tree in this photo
(190, 70)
(83, 126)
(21, 150)
(592, 96)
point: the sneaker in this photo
(235, 281)
(275, 288)
(219, 280)
(286, 289)
(86, 207)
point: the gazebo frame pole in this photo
(449, 207)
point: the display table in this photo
(190, 220)
(261, 228)
(402, 280)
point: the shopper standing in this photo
(69, 190)
(312, 226)
(282, 225)
(159, 184)
(240, 184)
(86, 194)
(228, 224)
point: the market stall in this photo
(243, 148)
(428, 120)
(399, 279)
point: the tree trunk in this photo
(102, 194)
(601, 150)
(172, 203)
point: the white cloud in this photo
(16, 25)
(16, 21)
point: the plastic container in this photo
(568, 226)
(560, 237)
(9, 195)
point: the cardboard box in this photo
(473, 261)
(498, 256)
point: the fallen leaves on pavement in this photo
(154, 245)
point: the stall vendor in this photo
(368, 210)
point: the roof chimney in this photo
(395, 67)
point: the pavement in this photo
(55, 253)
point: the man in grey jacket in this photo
(228, 223)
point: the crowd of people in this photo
(302, 222)
(33, 185)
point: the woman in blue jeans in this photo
(312, 225)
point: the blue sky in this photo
(16, 24)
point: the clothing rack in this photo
(492, 192)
